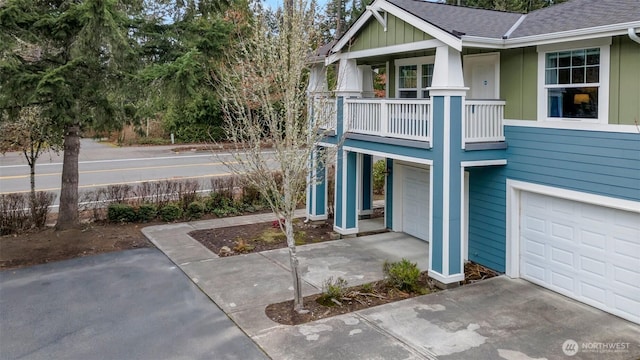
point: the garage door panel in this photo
(593, 266)
(415, 202)
(584, 251)
(563, 280)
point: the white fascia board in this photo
(332, 58)
(542, 39)
(362, 20)
(420, 24)
(574, 125)
(395, 49)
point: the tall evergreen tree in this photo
(72, 59)
(522, 6)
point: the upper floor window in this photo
(574, 81)
(414, 77)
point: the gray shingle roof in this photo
(578, 14)
(571, 15)
(457, 19)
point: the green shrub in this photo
(170, 212)
(251, 195)
(147, 212)
(333, 289)
(379, 171)
(117, 212)
(195, 210)
(402, 275)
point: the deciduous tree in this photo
(263, 91)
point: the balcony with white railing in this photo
(409, 119)
(483, 121)
(402, 118)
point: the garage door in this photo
(588, 252)
(415, 202)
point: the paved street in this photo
(103, 164)
(128, 305)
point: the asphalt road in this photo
(102, 165)
(131, 304)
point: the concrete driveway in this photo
(127, 305)
(499, 318)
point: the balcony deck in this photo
(410, 119)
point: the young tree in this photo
(264, 101)
(27, 131)
(80, 56)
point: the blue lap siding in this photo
(602, 163)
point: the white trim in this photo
(445, 279)
(389, 155)
(418, 62)
(393, 49)
(543, 39)
(326, 144)
(344, 188)
(314, 182)
(376, 14)
(464, 217)
(446, 190)
(343, 231)
(514, 27)
(514, 187)
(603, 86)
(472, 163)
(430, 215)
(354, 28)
(420, 24)
(633, 129)
(386, 88)
(318, 217)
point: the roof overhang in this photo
(382, 5)
(552, 38)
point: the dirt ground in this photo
(259, 237)
(48, 245)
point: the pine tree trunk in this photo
(68, 212)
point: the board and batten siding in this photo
(518, 83)
(602, 163)
(398, 32)
(624, 87)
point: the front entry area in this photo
(586, 251)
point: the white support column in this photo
(447, 69)
(317, 80)
(366, 80)
(349, 80)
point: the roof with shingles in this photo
(571, 15)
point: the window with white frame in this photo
(574, 82)
(414, 76)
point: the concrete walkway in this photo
(499, 318)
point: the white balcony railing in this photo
(402, 118)
(483, 121)
(324, 113)
(409, 118)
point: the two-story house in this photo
(510, 140)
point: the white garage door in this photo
(415, 202)
(588, 252)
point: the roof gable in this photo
(373, 34)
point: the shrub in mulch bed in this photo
(363, 297)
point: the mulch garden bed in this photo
(236, 240)
(363, 297)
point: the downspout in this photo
(633, 36)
